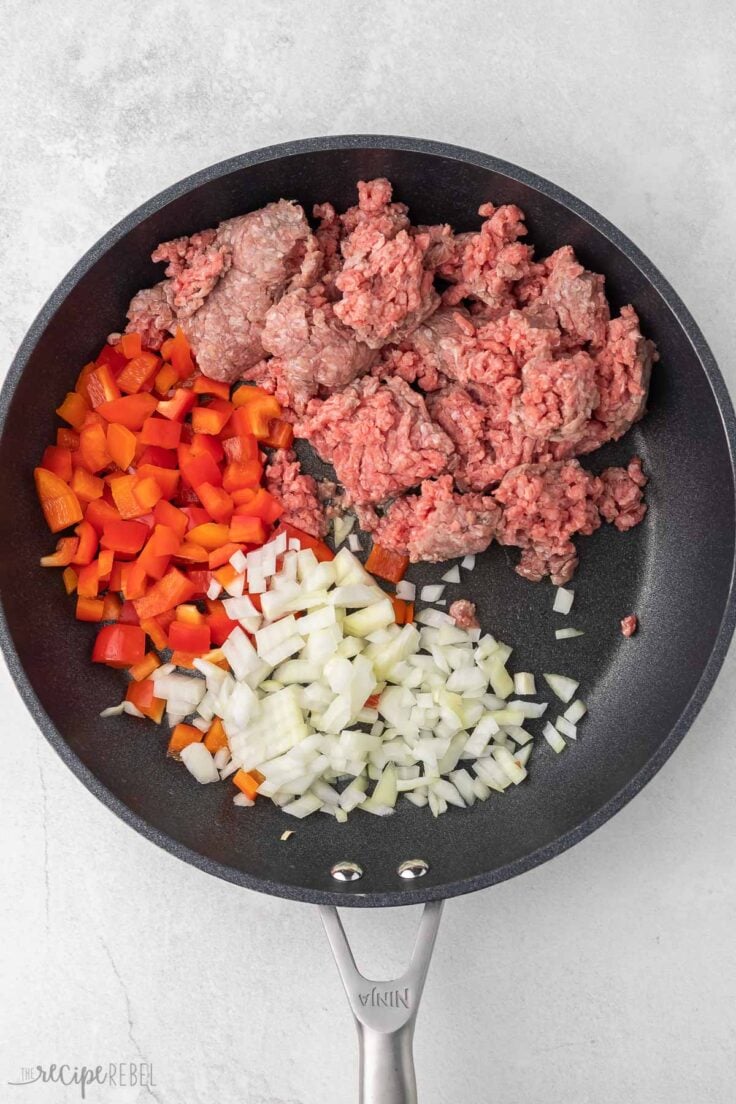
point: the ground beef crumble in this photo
(482, 387)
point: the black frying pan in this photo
(675, 570)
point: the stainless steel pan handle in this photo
(385, 1011)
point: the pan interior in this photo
(674, 570)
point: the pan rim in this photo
(402, 895)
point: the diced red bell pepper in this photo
(216, 501)
(111, 607)
(248, 530)
(220, 625)
(130, 411)
(201, 469)
(247, 393)
(321, 550)
(192, 553)
(131, 345)
(59, 461)
(87, 487)
(242, 473)
(127, 537)
(123, 494)
(93, 448)
(177, 350)
(262, 505)
(88, 580)
(386, 564)
(88, 542)
(153, 565)
(89, 609)
(138, 372)
(127, 614)
(189, 638)
(166, 514)
(241, 448)
(66, 548)
(203, 385)
(100, 513)
(165, 594)
(167, 479)
(197, 515)
(101, 386)
(147, 490)
(105, 561)
(141, 694)
(200, 579)
(121, 445)
(255, 417)
(161, 432)
(159, 457)
(204, 442)
(280, 434)
(134, 580)
(166, 378)
(212, 418)
(112, 356)
(73, 410)
(67, 438)
(119, 645)
(178, 406)
(222, 555)
(210, 535)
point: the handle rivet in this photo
(346, 871)
(413, 868)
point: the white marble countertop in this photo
(616, 978)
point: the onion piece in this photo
(575, 712)
(567, 634)
(432, 592)
(524, 683)
(562, 686)
(406, 590)
(563, 600)
(452, 576)
(553, 738)
(341, 527)
(198, 761)
(354, 543)
(468, 562)
(566, 728)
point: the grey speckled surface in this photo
(607, 975)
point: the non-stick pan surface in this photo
(675, 570)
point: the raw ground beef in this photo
(438, 523)
(379, 438)
(577, 296)
(151, 314)
(544, 506)
(317, 353)
(298, 493)
(522, 367)
(557, 397)
(463, 613)
(629, 624)
(222, 283)
(620, 497)
(485, 265)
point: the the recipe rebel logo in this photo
(116, 1075)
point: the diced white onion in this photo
(406, 590)
(567, 634)
(553, 738)
(575, 712)
(198, 761)
(431, 593)
(452, 576)
(468, 562)
(563, 600)
(562, 686)
(566, 728)
(524, 683)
